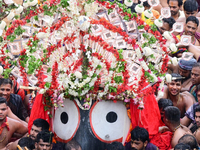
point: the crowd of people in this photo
(179, 106)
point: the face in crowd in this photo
(195, 75)
(184, 73)
(190, 28)
(174, 87)
(41, 145)
(138, 145)
(174, 8)
(5, 91)
(34, 131)
(3, 111)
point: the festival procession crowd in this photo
(179, 106)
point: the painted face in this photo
(197, 118)
(137, 145)
(174, 87)
(184, 73)
(164, 28)
(188, 14)
(43, 145)
(190, 28)
(174, 8)
(3, 111)
(5, 91)
(195, 75)
(34, 131)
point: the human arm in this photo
(188, 100)
(186, 121)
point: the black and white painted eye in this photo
(66, 121)
(109, 121)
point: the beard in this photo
(174, 13)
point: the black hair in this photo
(163, 103)
(5, 81)
(72, 145)
(41, 123)
(180, 2)
(190, 5)
(178, 77)
(146, 4)
(172, 114)
(140, 134)
(193, 19)
(196, 65)
(27, 142)
(170, 21)
(44, 135)
(182, 146)
(198, 87)
(115, 146)
(197, 108)
(190, 140)
(3, 100)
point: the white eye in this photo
(109, 121)
(66, 121)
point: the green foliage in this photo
(6, 73)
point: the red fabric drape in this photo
(38, 111)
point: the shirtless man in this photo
(181, 100)
(8, 126)
(184, 68)
(172, 121)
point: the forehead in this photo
(191, 23)
(196, 70)
(165, 25)
(36, 128)
(3, 105)
(173, 3)
(45, 143)
(176, 82)
(7, 86)
(197, 113)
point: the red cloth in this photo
(38, 111)
(4, 124)
(162, 140)
(149, 117)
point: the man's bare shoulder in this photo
(13, 123)
(187, 96)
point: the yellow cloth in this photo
(156, 14)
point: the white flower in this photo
(19, 10)
(173, 47)
(138, 53)
(158, 23)
(8, 2)
(87, 80)
(84, 23)
(33, 3)
(78, 74)
(168, 78)
(144, 65)
(167, 35)
(174, 61)
(160, 93)
(26, 4)
(11, 15)
(2, 25)
(139, 8)
(1, 70)
(147, 51)
(148, 13)
(42, 35)
(42, 91)
(128, 3)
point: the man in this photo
(190, 113)
(172, 121)
(115, 146)
(173, 92)
(72, 145)
(140, 140)
(189, 140)
(195, 75)
(44, 140)
(8, 126)
(195, 128)
(175, 8)
(167, 24)
(14, 101)
(26, 142)
(184, 68)
(182, 146)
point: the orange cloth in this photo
(5, 124)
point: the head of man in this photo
(175, 86)
(189, 140)
(139, 138)
(38, 125)
(162, 104)
(72, 145)
(182, 146)
(197, 115)
(171, 116)
(185, 67)
(44, 140)
(26, 142)
(115, 146)
(167, 24)
(190, 8)
(175, 6)
(195, 74)
(5, 88)
(3, 108)
(191, 26)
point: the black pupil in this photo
(64, 117)
(111, 117)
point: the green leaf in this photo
(47, 84)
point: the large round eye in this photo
(109, 121)
(66, 121)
